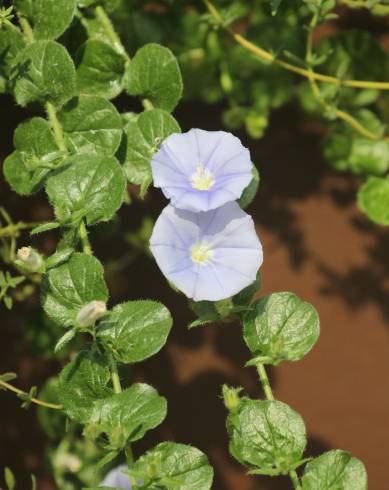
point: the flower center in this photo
(201, 253)
(202, 179)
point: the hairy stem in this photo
(14, 228)
(10, 387)
(117, 387)
(83, 233)
(109, 29)
(26, 28)
(56, 126)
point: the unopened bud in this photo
(29, 258)
(231, 397)
(90, 313)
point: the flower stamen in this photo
(202, 179)
(201, 253)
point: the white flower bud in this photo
(29, 258)
(90, 312)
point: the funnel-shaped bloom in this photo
(209, 256)
(202, 170)
(117, 478)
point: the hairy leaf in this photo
(69, 287)
(154, 74)
(136, 330)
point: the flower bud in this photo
(29, 259)
(231, 397)
(90, 312)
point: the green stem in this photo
(295, 480)
(265, 381)
(117, 387)
(147, 104)
(9, 387)
(26, 28)
(110, 31)
(14, 228)
(83, 233)
(56, 126)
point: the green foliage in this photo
(143, 137)
(50, 18)
(154, 74)
(83, 382)
(44, 73)
(9, 479)
(335, 469)
(7, 282)
(100, 69)
(36, 151)
(373, 199)
(281, 327)
(267, 435)
(174, 467)
(90, 187)
(11, 43)
(125, 417)
(69, 287)
(52, 421)
(250, 192)
(91, 124)
(135, 330)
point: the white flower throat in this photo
(201, 253)
(202, 179)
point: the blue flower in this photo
(202, 170)
(117, 478)
(208, 255)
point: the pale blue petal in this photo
(230, 234)
(219, 152)
(117, 479)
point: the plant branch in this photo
(109, 29)
(83, 234)
(269, 57)
(56, 126)
(42, 403)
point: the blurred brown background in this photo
(316, 244)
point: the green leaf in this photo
(174, 467)
(26, 168)
(125, 417)
(11, 43)
(91, 186)
(100, 69)
(281, 327)
(369, 157)
(143, 138)
(274, 6)
(64, 340)
(82, 382)
(69, 287)
(91, 124)
(335, 469)
(135, 330)
(59, 257)
(154, 74)
(9, 479)
(50, 225)
(250, 191)
(45, 73)
(268, 435)
(52, 421)
(50, 18)
(373, 199)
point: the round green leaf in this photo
(281, 327)
(91, 186)
(268, 435)
(72, 285)
(143, 137)
(50, 18)
(369, 157)
(135, 330)
(335, 470)
(100, 69)
(154, 74)
(91, 124)
(44, 72)
(81, 382)
(373, 199)
(35, 146)
(125, 417)
(174, 467)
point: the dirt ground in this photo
(316, 244)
